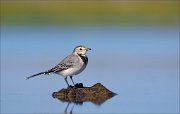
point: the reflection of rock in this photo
(96, 94)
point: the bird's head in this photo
(80, 50)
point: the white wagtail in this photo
(71, 65)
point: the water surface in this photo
(140, 64)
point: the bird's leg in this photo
(66, 81)
(72, 80)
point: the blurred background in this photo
(135, 53)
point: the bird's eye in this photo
(80, 49)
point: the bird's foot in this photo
(71, 86)
(79, 85)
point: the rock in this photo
(79, 94)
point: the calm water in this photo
(140, 64)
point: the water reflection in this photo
(66, 109)
(95, 100)
(80, 100)
(97, 94)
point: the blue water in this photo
(140, 64)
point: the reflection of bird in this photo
(71, 65)
(66, 109)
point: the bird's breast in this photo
(84, 62)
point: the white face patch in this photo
(81, 50)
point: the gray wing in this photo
(68, 62)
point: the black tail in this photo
(36, 75)
(46, 72)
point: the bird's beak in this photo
(87, 49)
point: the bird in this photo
(71, 65)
